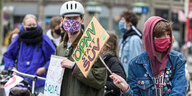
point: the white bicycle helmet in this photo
(71, 8)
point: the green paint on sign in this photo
(103, 37)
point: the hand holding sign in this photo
(90, 46)
(66, 63)
(41, 70)
(54, 76)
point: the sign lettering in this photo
(89, 46)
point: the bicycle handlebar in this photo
(28, 75)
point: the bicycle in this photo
(30, 88)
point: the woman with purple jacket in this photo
(30, 51)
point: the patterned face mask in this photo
(71, 26)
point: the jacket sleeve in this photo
(179, 81)
(48, 50)
(131, 80)
(10, 54)
(97, 75)
(135, 47)
(118, 69)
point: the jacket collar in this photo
(108, 55)
(74, 44)
(146, 63)
(143, 59)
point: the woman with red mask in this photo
(158, 71)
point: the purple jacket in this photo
(30, 57)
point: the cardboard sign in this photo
(90, 46)
(54, 77)
(12, 83)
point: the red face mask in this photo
(161, 45)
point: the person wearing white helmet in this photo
(74, 83)
(72, 8)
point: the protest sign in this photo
(89, 46)
(54, 77)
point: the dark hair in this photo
(54, 22)
(161, 27)
(130, 17)
(112, 43)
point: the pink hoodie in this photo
(149, 46)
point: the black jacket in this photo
(116, 67)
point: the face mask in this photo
(71, 26)
(122, 27)
(161, 45)
(58, 31)
(31, 28)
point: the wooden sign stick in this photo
(105, 64)
(107, 67)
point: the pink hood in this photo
(149, 45)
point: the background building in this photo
(107, 12)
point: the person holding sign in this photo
(111, 58)
(74, 83)
(159, 71)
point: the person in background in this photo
(131, 44)
(12, 36)
(30, 51)
(54, 33)
(159, 71)
(74, 83)
(111, 58)
(6, 29)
